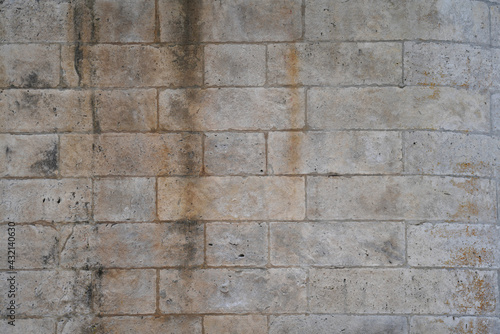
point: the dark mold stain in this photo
(49, 164)
(84, 31)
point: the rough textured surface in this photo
(250, 166)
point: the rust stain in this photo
(474, 296)
(470, 167)
(471, 256)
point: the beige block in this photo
(235, 324)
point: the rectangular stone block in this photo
(495, 112)
(125, 199)
(349, 152)
(233, 291)
(29, 65)
(454, 245)
(451, 153)
(126, 291)
(231, 153)
(124, 21)
(46, 200)
(397, 108)
(235, 65)
(131, 154)
(33, 155)
(239, 198)
(417, 291)
(49, 293)
(386, 20)
(334, 64)
(232, 109)
(495, 25)
(126, 110)
(232, 21)
(401, 197)
(132, 245)
(436, 64)
(338, 244)
(235, 324)
(36, 246)
(233, 244)
(23, 326)
(45, 110)
(46, 21)
(451, 325)
(337, 324)
(107, 65)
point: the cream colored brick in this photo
(36, 246)
(451, 325)
(401, 197)
(126, 110)
(233, 244)
(235, 65)
(451, 153)
(353, 152)
(235, 324)
(22, 156)
(125, 199)
(46, 200)
(239, 198)
(126, 291)
(232, 291)
(231, 21)
(386, 20)
(49, 292)
(334, 63)
(453, 245)
(29, 65)
(338, 244)
(417, 291)
(383, 108)
(232, 109)
(136, 245)
(235, 153)
(76, 155)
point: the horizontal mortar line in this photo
(256, 42)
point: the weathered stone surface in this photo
(232, 109)
(34, 155)
(50, 293)
(224, 198)
(235, 153)
(232, 291)
(435, 64)
(397, 108)
(136, 245)
(106, 65)
(23, 326)
(232, 21)
(353, 152)
(337, 324)
(451, 325)
(29, 65)
(126, 110)
(46, 21)
(70, 66)
(235, 65)
(126, 291)
(454, 245)
(233, 244)
(45, 110)
(334, 63)
(418, 291)
(452, 153)
(495, 25)
(49, 200)
(401, 197)
(235, 324)
(495, 112)
(386, 20)
(338, 244)
(125, 199)
(124, 21)
(36, 246)
(131, 154)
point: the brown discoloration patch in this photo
(470, 167)
(471, 257)
(477, 294)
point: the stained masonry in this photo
(251, 166)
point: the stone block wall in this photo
(250, 166)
